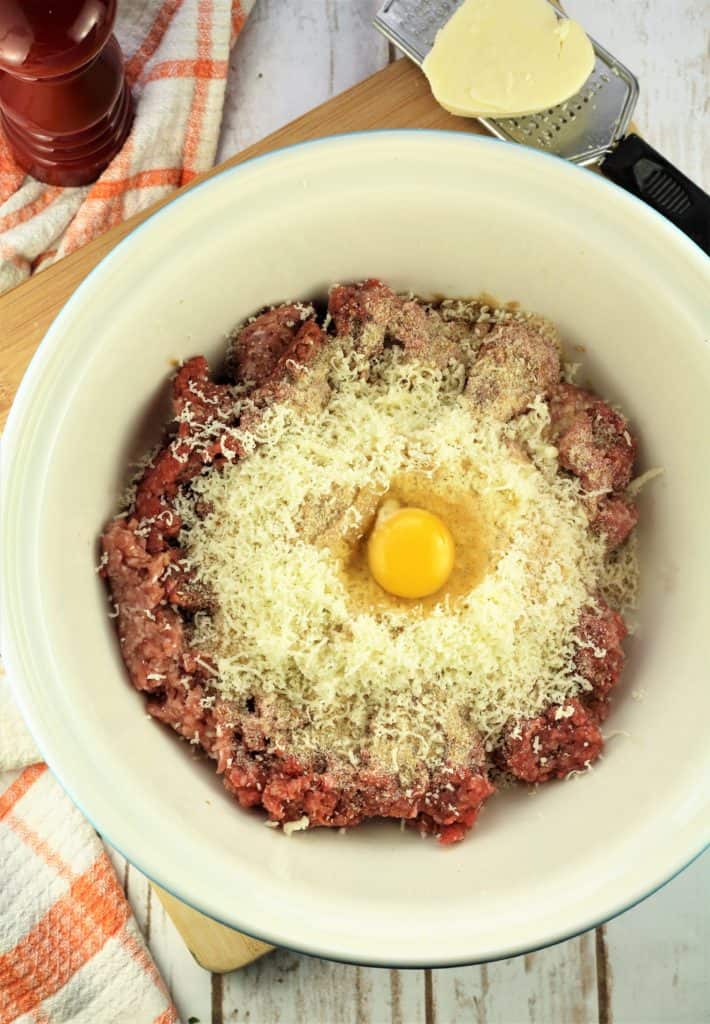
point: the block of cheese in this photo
(507, 58)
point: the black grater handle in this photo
(637, 167)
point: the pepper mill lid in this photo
(41, 39)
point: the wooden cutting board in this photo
(396, 97)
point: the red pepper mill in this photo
(65, 106)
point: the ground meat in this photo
(373, 315)
(600, 657)
(198, 400)
(376, 316)
(552, 745)
(299, 355)
(593, 441)
(149, 584)
(282, 384)
(155, 596)
(566, 402)
(516, 363)
(452, 804)
(151, 634)
(181, 590)
(257, 347)
(204, 409)
(186, 709)
(615, 517)
(445, 802)
(354, 306)
(159, 484)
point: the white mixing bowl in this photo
(437, 213)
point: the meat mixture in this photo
(510, 362)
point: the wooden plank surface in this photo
(659, 955)
(649, 966)
(554, 984)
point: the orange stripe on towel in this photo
(161, 23)
(19, 787)
(188, 69)
(23, 213)
(199, 97)
(238, 20)
(72, 931)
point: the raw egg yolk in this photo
(410, 552)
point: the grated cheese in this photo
(404, 683)
(639, 482)
(289, 827)
(564, 712)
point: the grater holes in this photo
(595, 85)
(555, 119)
(564, 128)
(583, 127)
(543, 129)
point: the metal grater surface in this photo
(582, 129)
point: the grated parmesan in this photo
(402, 684)
(289, 827)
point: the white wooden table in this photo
(650, 966)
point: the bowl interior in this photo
(435, 213)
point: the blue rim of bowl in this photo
(476, 140)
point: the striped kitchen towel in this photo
(70, 949)
(177, 57)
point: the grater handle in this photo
(637, 167)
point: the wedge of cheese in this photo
(507, 58)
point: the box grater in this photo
(588, 129)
